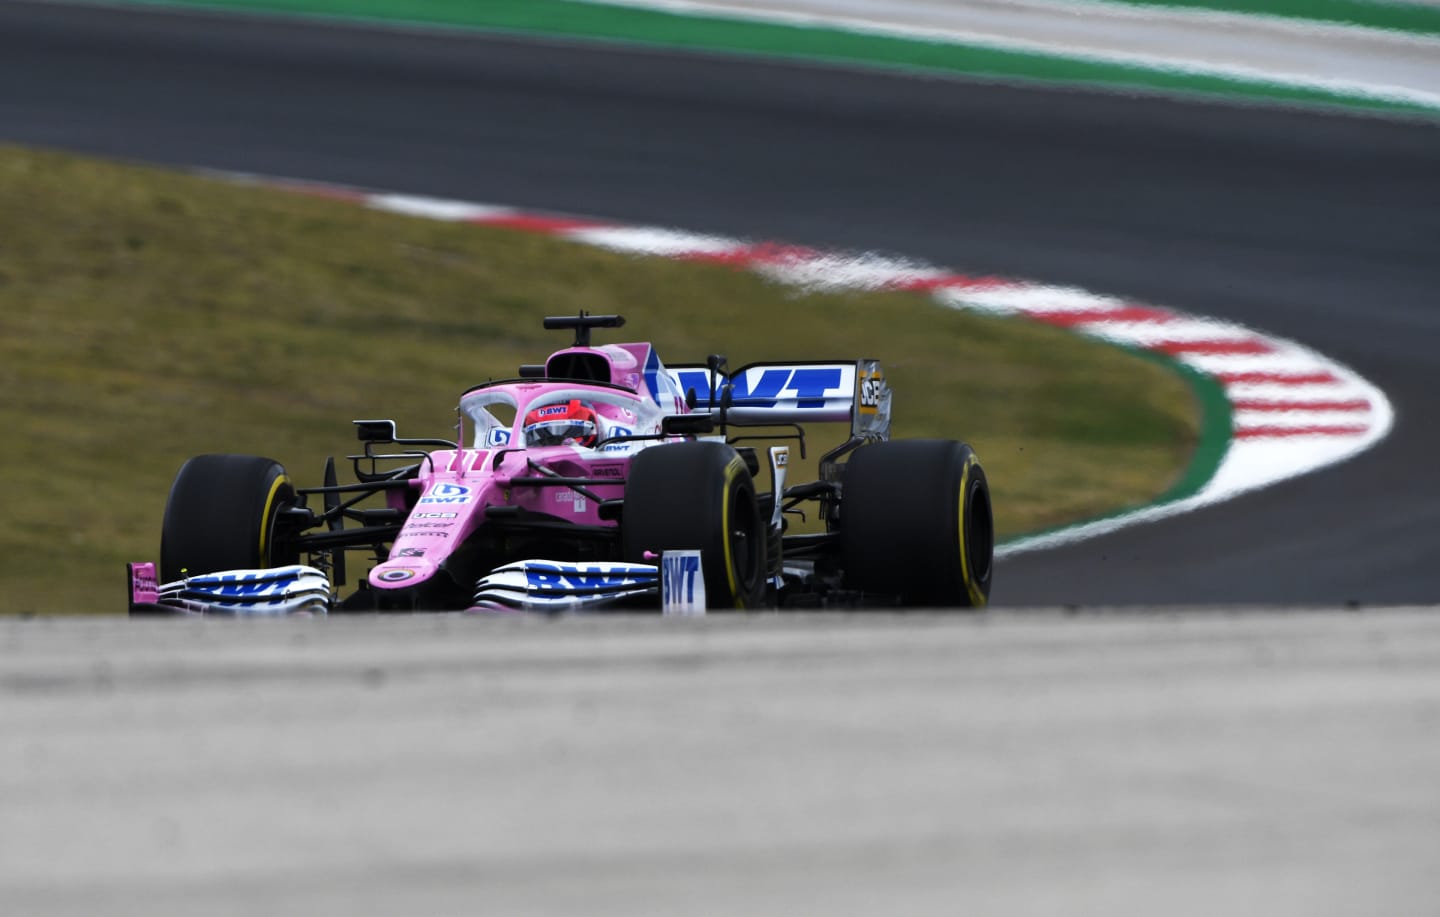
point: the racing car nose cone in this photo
(401, 573)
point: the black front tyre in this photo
(916, 524)
(221, 516)
(699, 495)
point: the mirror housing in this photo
(687, 425)
(375, 431)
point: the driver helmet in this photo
(572, 422)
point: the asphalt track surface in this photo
(1322, 228)
(1032, 763)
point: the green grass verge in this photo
(146, 316)
(600, 21)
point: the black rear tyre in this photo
(221, 516)
(916, 524)
(699, 495)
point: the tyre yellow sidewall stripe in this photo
(265, 526)
(978, 598)
(732, 471)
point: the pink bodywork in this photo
(144, 584)
(457, 485)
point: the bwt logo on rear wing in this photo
(799, 393)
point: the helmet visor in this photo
(559, 431)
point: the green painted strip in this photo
(604, 22)
(1216, 424)
(1399, 17)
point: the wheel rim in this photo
(744, 547)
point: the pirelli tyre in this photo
(698, 495)
(916, 524)
(221, 516)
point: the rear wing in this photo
(805, 392)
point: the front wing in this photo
(295, 589)
(525, 585)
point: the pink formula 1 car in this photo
(600, 479)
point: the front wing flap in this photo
(295, 589)
(544, 585)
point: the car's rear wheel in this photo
(916, 524)
(689, 496)
(221, 515)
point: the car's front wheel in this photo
(698, 495)
(221, 515)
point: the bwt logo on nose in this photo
(447, 493)
(682, 583)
